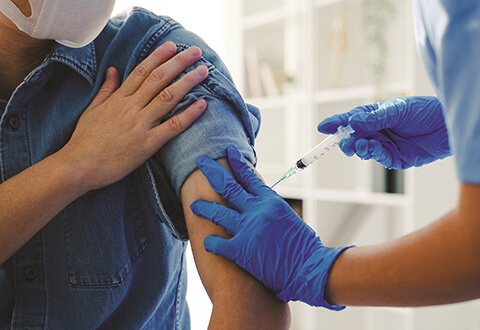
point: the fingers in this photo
(219, 246)
(112, 81)
(362, 149)
(144, 69)
(245, 174)
(218, 214)
(330, 124)
(162, 76)
(348, 146)
(387, 115)
(381, 154)
(177, 124)
(170, 96)
(224, 184)
(368, 149)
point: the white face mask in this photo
(73, 23)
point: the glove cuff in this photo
(310, 283)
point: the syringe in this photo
(318, 151)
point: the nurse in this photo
(435, 265)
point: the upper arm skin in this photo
(239, 300)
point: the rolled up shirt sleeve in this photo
(227, 120)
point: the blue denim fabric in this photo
(114, 258)
(448, 39)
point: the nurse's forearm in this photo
(29, 200)
(436, 265)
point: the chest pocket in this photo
(105, 235)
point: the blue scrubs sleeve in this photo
(448, 36)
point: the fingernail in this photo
(201, 104)
(170, 46)
(109, 73)
(202, 71)
(196, 51)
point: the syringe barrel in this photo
(318, 151)
(323, 147)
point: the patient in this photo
(114, 257)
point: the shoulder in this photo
(129, 35)
(132, 35)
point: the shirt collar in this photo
(82, 60)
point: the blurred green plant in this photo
(377, 16)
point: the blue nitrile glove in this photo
(399, 133)
(269, 240)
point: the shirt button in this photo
(31, 273)
(14, 123)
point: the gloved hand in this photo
(269, 240)
(399, 133)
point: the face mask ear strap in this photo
(9, 9)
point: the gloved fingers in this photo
(218, 214)
(362, 149)
(330, 125)
(368, 108)
(381, 154)
(223, 247)
(219, 246)
(388, 114)
(370, 149)
(367, 122)
(244, 173)
(224, 183)
(348, 146)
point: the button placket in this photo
(28, 262)
(29, 282)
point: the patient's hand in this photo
(121, 128)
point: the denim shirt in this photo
(115, 257)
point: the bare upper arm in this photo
(239, 300)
